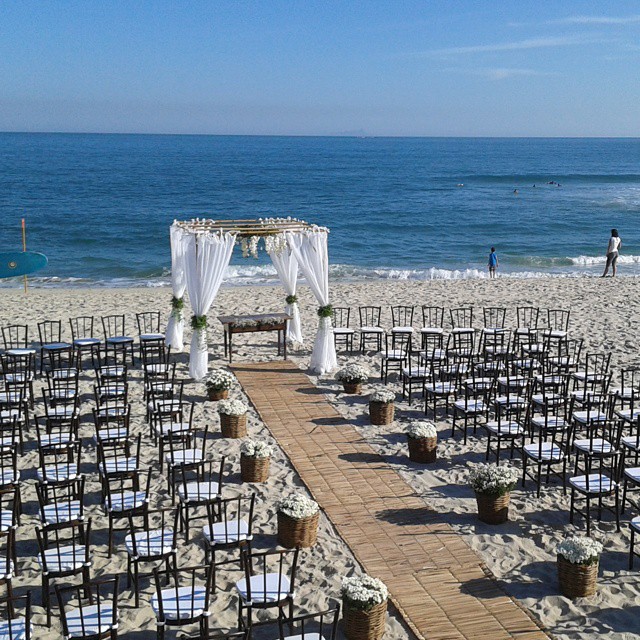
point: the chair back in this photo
(402, 315)
(369, 316)
(188, 579)
(341, 317)
(69, 543)
(231, 510)
(494, 317)
(15, 336)
(397, 342)
(114, 326)
(461, 317)
(63, 496)
(15, 617)
(322, 624)
(157, 529)
(558, 319)
(432, 317)
(212, 473)
(148, 322)
(9, 474)
(97, 599)
(115, 450)
(50, 331)
(81, 327)
(283, 562)
(527, 317)
(116, 487)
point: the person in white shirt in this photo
(612, 253)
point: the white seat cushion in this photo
(549, 422)
(21, 351)
(416, 372)
(556, 333)
(181, 603)
(436, 331)
(188, 456)
(17, 630)
(631, 442)
(119, 340)
(199, 491)
(111, 433)
(127, 500)
(158, 542)
(119, 465)
(584, 417)
(86, 342)
(635, 523)
(111, 412)
(597, 483)
(56, 439)
(343, 331)
(548, 452)
(633, 474)
(226, 533)
(277, 588)
(8, 477)
(58, 472)
(69, 558)
(597, 445)
(306, 636)
(371, 330)
(627, 416)
(56, 346)
(62, 512)
(509, 429)
(114, 371)
(525, 331)
(470, 406)
(88, 621)
(156, 368)
(151, 336)
(493, 331)
(441, 388)
(402, 330)
(166, 428)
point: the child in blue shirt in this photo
(493, 262)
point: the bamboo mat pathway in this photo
(435, 580)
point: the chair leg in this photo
(631, 549)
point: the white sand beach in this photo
(521, 554)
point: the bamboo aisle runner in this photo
(435, 580)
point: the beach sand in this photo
(521, 554)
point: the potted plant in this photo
(254, 461)
(493, 485)
(352, 377)
(298, 518)
(422, 438)
(364, 607)
(218, 383)
(381, 407)
(233, 418)
(578, 560)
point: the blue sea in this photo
(100, 206)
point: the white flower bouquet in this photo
(382, 395)
(255, 449)
(352, 373)
(232, 407)
(580, 550)
(492, 479)
(364, 592)
(219, 380)
(421, 429)
(298, 507)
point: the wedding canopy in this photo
(200, 253)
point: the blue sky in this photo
(430, 67)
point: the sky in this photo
(326, 67)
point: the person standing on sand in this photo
(493, 262)
(612, 253)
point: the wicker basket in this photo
(493, 509)
(381, 412)
(294, 532)
(422, 449)
(254, 469)
(233, 426)
(352, 387)
(218, 394)
(577, 580)
(364, 625)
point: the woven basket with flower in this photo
(493, 485)
(422, 438)
(381, 406)
(218, 382)
(233, 418)
(298, 518)
(364, 607)
(254, 461)
(578, 560)
(353, 376)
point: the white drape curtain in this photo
(207, 256)
(286, 266)
(309, 248)
(175, 327)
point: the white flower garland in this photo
(423, 429)
(232, 407)
(353, 373)
(219, 379)
(580, 550)
(364, 592)
(382, 395)
(493, 479)
(298, 507)
(255, 449)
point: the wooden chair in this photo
(50, 332)
(432, 326)
(83, 337)
(370, 329)
(14, 626)
(116, 339)
(149, 328)
(342, 331)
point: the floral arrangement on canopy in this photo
(200, 252)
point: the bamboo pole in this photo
(24, 248)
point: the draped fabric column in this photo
(206, 258)
(175, 326)
(287, 268)
(310, 250)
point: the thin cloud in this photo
(502, 73)
(600, 20)
(518, 45)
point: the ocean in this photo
(99, 206)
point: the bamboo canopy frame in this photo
(245, 228)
